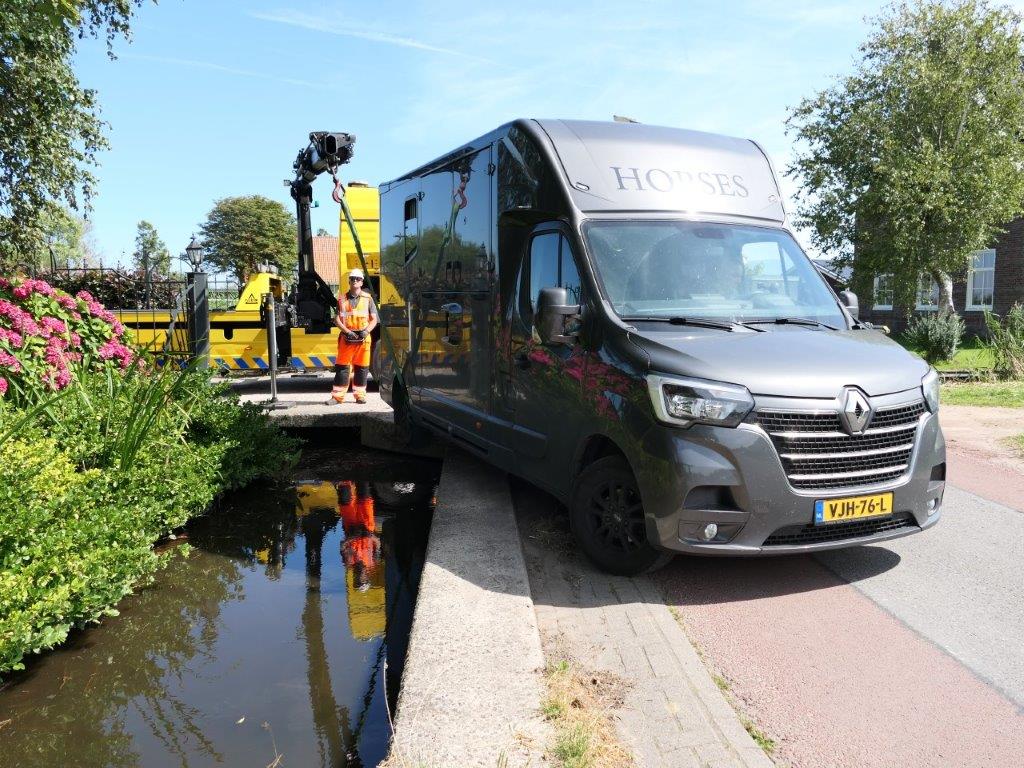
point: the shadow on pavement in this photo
(691, 580)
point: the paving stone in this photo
(672, 714)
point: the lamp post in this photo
(194, 253)
(198, 304)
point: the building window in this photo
(981, 280)
(883, 292)
(927, 293)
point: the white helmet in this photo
(357, 273)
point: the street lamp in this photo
(194, 254)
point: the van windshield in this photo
(699, 270)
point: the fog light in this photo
(933, 504)
(710, 531)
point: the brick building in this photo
(994, 281)
(325, 259)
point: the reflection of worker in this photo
(357, 317)
(360, 550)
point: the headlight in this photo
(692, 401)
(930, 388)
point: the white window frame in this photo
(934, 290)
(875, 291)
(970, 305)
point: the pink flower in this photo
(9, 361)
(63, 378)
(4, 283)
(53, 325)
(76, 340)
(55, 352)
(3, 386)
(21, 320)
(11, 337)
(67, 302)
(85, 296)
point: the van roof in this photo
(616, 166)
(630, 167)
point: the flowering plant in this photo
(45, 333)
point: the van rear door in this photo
(452, 275)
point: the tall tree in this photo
(914, 161)
(151, 254)
(59, 240)
(50, 130)
(241, 233)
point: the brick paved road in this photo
(673, 714)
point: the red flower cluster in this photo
(45, 332)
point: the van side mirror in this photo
(849, 300)
(553, 309)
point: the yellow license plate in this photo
(852, 508)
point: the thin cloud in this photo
(318, 24)
(220, 68)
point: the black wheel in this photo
(607, 519)
(406, 429)
(373, 385)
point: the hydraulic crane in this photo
(312, 298)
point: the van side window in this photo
(550, 265)
(411, 229)
(569, 278)
(540, 272)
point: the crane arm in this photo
(314, 301)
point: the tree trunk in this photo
(945, 283)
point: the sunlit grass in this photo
(1009, 394)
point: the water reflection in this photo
(293, 610)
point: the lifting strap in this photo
(385, 334)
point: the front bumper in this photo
(760, 513)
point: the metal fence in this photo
(167, 316)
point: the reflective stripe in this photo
(355, 317)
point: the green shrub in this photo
(937, 336)
(70, 547)
(85, 490)
(1006, 340)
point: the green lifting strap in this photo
(385, 333)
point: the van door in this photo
(453, 275)
(546, 379)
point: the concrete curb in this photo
(472, 684)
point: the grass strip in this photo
(1009, 394)
(1016, 443)
(577, 707)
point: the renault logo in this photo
(856, 413)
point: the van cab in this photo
(618, 313)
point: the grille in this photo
(817, 453)
(816, 534)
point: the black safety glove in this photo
(362, 333)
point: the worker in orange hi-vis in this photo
(357, 317)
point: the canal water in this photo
(278, 640)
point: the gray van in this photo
(617, 313)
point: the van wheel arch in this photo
(592, 448)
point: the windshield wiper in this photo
(792, 321)
(695, 321)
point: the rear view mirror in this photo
(849, 300)
(553, 309)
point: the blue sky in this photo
(215, 98)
